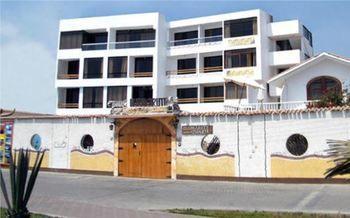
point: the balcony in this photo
(68, 98)
(212, 99)
(68, 105)
(67, 76)
(150, 102)
(288, 57)
(141, 74)
(94, 46)
(285, 28)
(68, 69)
(132, 44)
(194, 70)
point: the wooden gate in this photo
(144, 150)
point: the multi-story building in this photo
(204, 63)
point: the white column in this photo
(81, 97)
(199, 93)
(104, 102)
(81, 68)
(197, 63)
(105, 67)
(128, 95)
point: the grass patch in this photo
(32, 215)
(246, 214)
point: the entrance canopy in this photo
(244, 81)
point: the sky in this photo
(29, 35)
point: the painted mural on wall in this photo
(6, 135)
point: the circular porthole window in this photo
(297, 144)
(210, 144)
(87, 142)
(35, 142)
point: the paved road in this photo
(103, 196)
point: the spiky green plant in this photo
(21, 190)
(339, 150)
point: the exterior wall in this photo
(257, 145)
(62, 138)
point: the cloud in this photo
(27, 72)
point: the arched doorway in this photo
(144, 149)
(319, 86)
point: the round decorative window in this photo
(297, 144)
(35, 142)
(210, 144)
(87, 142)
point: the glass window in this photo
(144, 64)
(117, 67)
(142, 92)
(240, 58)
(307, 35)
(297, 144)
(93, 68)
(135, 35)
(73, 67)
(116, 93)
(93, 97)
(213, 35)
(214, 91)
(210, 144)
(240, 27)
(213, 61)
(235, 91)
(319, 86)
(71, 40)
(87, 142)
(186, 66)
(185, 38)
(187, 93)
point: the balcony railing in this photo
(194, 70)
(117, 75)
(150, 102)
(132, 44)
(68, 105)
(212, 99)
(94, 46)
(187, 100)
(141, 74)
(271, 106)
(68, 76)
(194, 41)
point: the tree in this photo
(340, 152)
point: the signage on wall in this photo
(6, 134)
(241, 72)
(241, 41)
(197, 130)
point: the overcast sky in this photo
(29, 32)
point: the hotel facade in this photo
(219, 97)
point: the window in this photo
(283, 45)
(87, 142)
(116, 93)
(71, 40)
(93, 68)
(144, 64)
(319, 86)
(210, 144)
(187, 95)
(235, 91)
(186, 66)
(93, 97)
(213, 35)
(142, 92)
(185, 38)
(94, 41)
(214, 91)
(280, 70)
(73, 67)
(297, 144)
(35, 142)
(135, 35)
(117, 67)
(240, 58)
(72, 95)
(307, 35)
(212, 64)
(241, 27)
(68, 98)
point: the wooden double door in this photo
(145, 150)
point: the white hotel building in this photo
(205, 63)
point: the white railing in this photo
(270, 106)
(194, 41)
(132, 44)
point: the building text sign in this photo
(197, 130)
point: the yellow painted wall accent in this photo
(199, 165)
(241, 41)
(97, 162)
(312, 167)
(44, 164)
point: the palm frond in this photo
(339, 151)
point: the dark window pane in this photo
(213, 35)
(235, 91)
(72, 95)
(73, 67)
(92, 97)
(135, 35)
(185, 38)
(93, 67)
(240, 58)
(318, 87)
(117, 67)
(283, 45)
(186, 66)
(213, 61)
(142, 92)
(240, 27)
(71, 40)
(187, 93)
(214, 91)
(144, 64)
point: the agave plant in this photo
(340, 152)
(20, 188)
